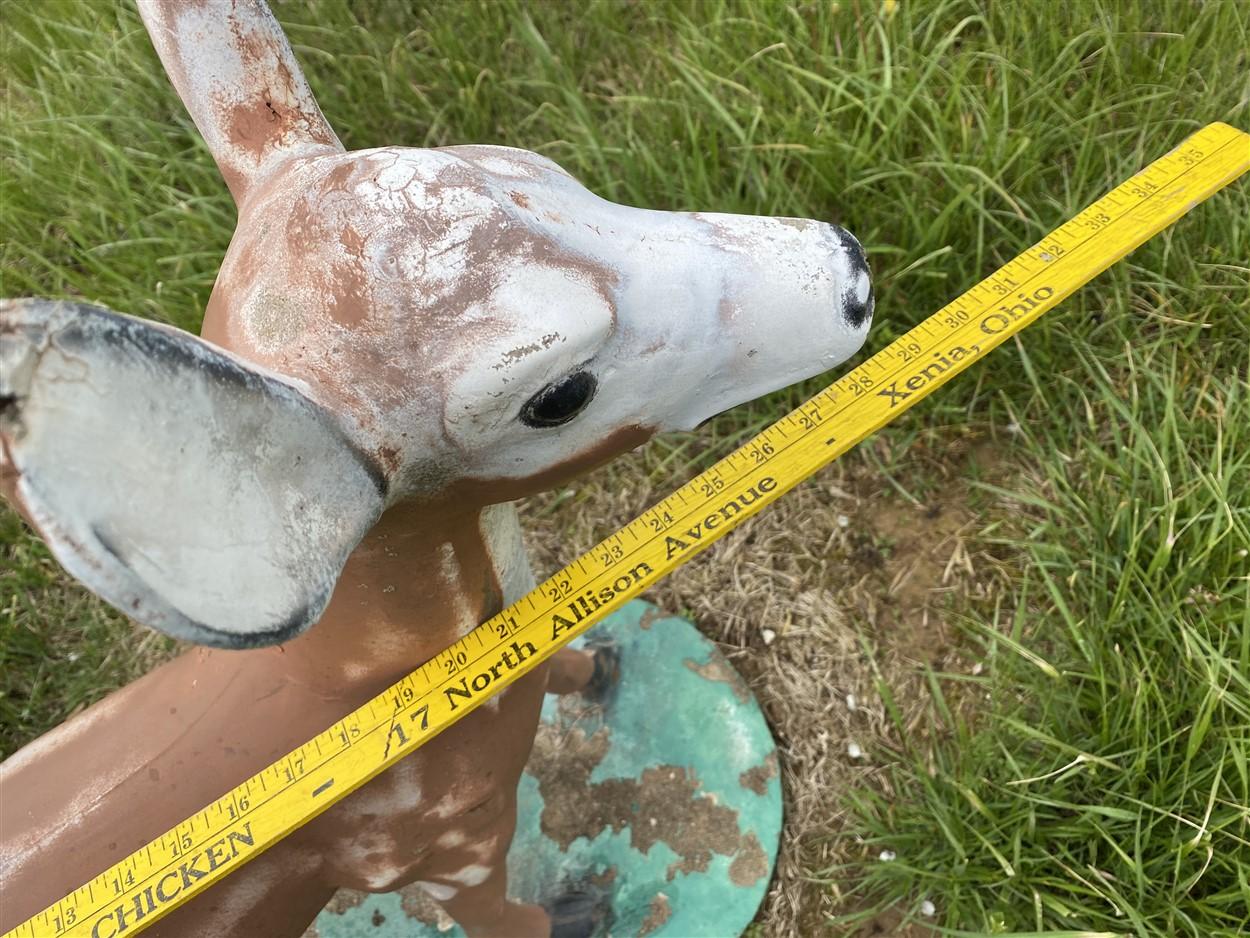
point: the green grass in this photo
(947, 136)
(1104, 781)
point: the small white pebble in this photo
(851, 703)
(977, 668)
(928, 909)
(853, 750)
(1013, 427)
(887, 855)
(844, 521)
(653, 821)
(768, 635)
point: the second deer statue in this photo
(400, 343)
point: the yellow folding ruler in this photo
(232, 830)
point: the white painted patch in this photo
(452, 838)
(449, 565)
(863, 288)
(438, 891)
(396, 792)
(273, 321)
(383, 878)
(374, 857)
(505, 545)
(472, 875)
(450, 805)
(450, 571)
(487, 848)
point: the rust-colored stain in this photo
(659, 912)
(663, 805)
(756, 779)
(390, 457)
(717, 670)
(649, 618)
(750, 864)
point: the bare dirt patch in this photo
(843, 582)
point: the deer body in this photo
(138, 762)
(399, 344)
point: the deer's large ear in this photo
(196, 493)
(238, 78)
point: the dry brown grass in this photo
(856, 584)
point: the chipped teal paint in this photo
(663, 713)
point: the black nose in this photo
(856, 300)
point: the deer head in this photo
(388, 325)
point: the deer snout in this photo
(794, 300)
(720, 309)
(855, 302)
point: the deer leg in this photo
(592, 672)
(476, 895)
(571, 670)
(485, 911)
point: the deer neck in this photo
(424, 576)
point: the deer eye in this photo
(560, 401)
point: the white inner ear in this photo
(196, 494)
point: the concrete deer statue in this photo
(400, 343)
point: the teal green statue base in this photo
(657, 808)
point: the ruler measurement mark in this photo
(1149, 201)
